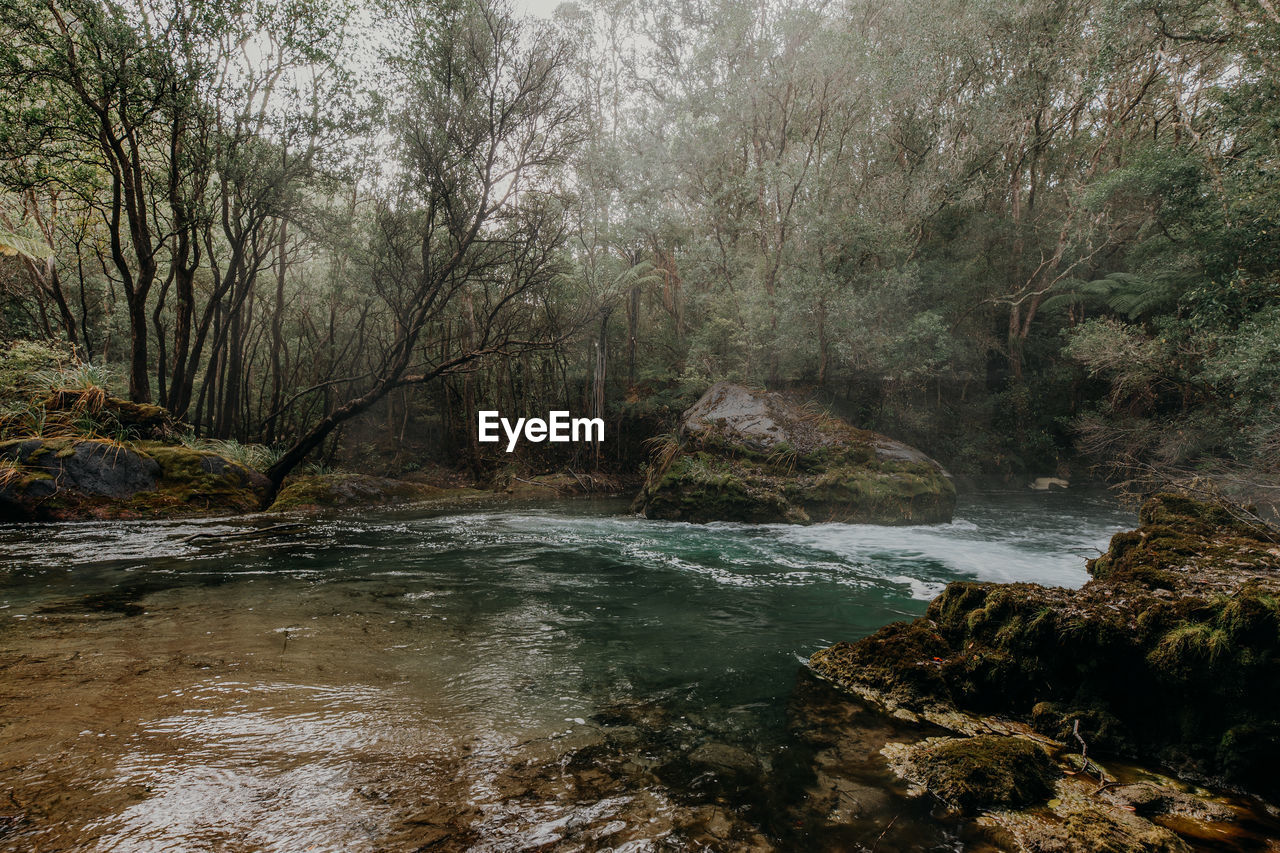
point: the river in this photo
(559, 676)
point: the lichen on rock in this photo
(1076, 820)
(743, 455)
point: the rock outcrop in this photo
(59, 479)
(999, 786)
(330, 491)
(743, 455)
(1169, 656)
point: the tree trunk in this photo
(139, 376)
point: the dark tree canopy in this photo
(1016, 235)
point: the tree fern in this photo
(1123, 293)
(16, 244)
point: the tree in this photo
(483, 122)
(85, 85)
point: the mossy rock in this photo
(972, 774)
(325, 491)
(1184, 673)
(743, 455)
(1081, 818)
(1181, 542)
(60, 479)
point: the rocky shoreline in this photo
(739, 455)
(1167, 658)
(1034, 718)
(67, 479)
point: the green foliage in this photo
(976, 254)
(22, 363)
(76, 376)
(259, 457)
(1119, 293)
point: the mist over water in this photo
(181, 686)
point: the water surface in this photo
(562, 676)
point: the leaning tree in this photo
(483, 120)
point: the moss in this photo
(201, 479)
(1099, 830)
(1178, 535)
(1191, 515)
(1250, 750)
(902, 660)
(700, 485)
(1100, 729)
(982, 772)
(1152, 578)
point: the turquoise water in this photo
(500, 678)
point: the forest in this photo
(1029, 238)
(647, 425)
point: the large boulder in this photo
(744, 455)
(58, 479)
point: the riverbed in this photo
(553, 676)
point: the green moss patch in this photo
(704, 485)
(975, 773)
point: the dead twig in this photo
(884, 832)
(1084, 756)
(555, 489)
(245, 534)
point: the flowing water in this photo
(564, 676)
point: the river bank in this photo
(558, 671)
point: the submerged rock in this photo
(725, 758)
(1170, 655)
(743, 455)
(58, 479)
